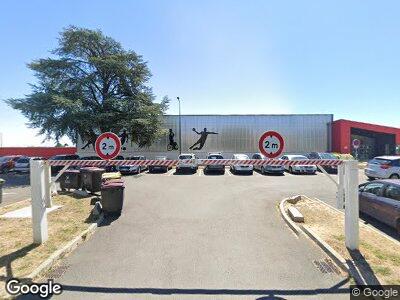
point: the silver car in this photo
(299, 169)
(153, 168)
(241, 168)
(266, 169)
(127, 169)
(192, 166)
(383, 167)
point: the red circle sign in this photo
(271, 144)
(108, 145)
(356, 143)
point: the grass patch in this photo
(19, 256)
(378, 253)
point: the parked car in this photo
(22, 165)
(299, 169)
(56, 169)
(127, 169)
(380, 199)
(265, 169)
(183, 166)
(113, 168)
(215, 168)
(7, 163)
(152, 168)
(383, 167)
(319, 155)
(241, 168)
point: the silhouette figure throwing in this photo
(201, 141)
(124, 138)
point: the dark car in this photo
(7, 163)
(380, 199)
(214, 168)
(114, 168)
(56, 169)
(324, 155)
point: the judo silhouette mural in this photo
(202, 140)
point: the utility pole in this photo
(180, 126)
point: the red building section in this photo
(45, 152)
(375, 139)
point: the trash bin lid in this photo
(110, 181)
(113, 185)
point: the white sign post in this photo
(38, 202)
(351, 205)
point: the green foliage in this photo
(92, 84)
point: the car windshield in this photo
(380, 161)
(299, 158)
(185, 156)
(160, 158)
(134, 158)
(327, 156)
(23, 160)
(215, 157)
(241, 156)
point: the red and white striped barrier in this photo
(201, 162)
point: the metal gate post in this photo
(47, 184)
(351, 205)
(39, 215)
(341, 185)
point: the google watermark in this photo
(43, 290)
(387, 292)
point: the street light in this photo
(180, 127)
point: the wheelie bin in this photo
(112, 197)
(70, 179)
(91, 179)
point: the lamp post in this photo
(180, 126)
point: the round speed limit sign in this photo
(271, 144)
(108, 145)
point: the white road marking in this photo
(229, 172)
(255, 173)
(169, 173)
(9, 193)
(200, 172)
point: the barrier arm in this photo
(328, 175)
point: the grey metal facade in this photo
(235, 134)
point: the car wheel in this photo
(290, 170)
(371, 178)
(251, 172)
(262, 171)
(223, 172)
(394, 176)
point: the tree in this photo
(92, 85)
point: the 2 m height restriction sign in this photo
(108, 145)
(271, 144)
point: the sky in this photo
(224, 57)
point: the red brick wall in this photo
(45, 152)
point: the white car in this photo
(383, 167)
(266, 169)
(241, 168)
(22, 165)
(182, 165)
(152, 168)
(299, 169)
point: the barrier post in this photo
(47, 184)
(39, 215)
(341, 184)
(351, 205)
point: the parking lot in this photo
(204, 235)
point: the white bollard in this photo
(39, 215)
(341, 184)
(47, 184)
(351, 202)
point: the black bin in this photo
(70, 179)
(91, 179)
(112, 197)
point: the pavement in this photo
(16, 188)
(203, 237)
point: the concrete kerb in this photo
(336, 257)
(296, 229)
(69, 247)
